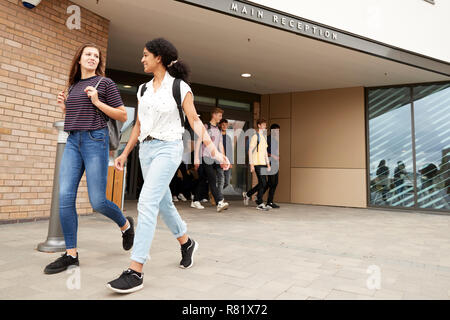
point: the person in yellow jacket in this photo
(259, 163)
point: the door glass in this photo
(432, 130)
(238, 174)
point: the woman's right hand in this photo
(119, 162)
(62, 101)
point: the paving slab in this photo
(296, 252)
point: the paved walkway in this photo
(296, 252)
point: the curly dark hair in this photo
(168, 53)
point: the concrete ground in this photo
(296, 252)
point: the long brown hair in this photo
(75, 70)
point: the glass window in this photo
(397, 118)
(234, 104)
(432, 133)
(205, 100)
(390, 147)
(126, 129)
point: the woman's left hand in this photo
(92, 93)
(223, 160)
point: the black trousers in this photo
(272, 183)
(208, 175)
(178, 185)
(260, 187)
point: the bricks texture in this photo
(36, 49)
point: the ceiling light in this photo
(127, 86)
(246, 75)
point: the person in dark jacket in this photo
(383, 178)
(274, 155)
(399, 177)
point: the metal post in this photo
(55, 239)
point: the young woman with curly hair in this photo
(159, 130)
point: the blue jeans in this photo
(159, 162)
(85, 151)
(223, 179)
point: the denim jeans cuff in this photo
(139, 259)
(180, 234)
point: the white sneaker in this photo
(196, 205)
(192, 197)
(262, 207)
(205, 200)
(246, 198)
(222, 206)
(182, 197)
(175, 199)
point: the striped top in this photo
(81, 114)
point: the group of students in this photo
(90, 100)
(193, 182)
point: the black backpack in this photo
(176, 92)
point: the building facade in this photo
(362, 97)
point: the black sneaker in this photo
(128, 282)
(128, 236)
(187, 255)
(273, 205)
(61, 264)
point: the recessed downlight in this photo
(246, 75)
(127, 86)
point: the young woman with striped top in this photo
(91, 99)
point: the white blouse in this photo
(158, 111)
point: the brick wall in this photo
(36, 49)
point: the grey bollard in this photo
(55, 239)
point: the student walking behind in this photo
(273, 140)
(209, 167)
(159, 128)
(224, 176)
(87, 149)
(259, 163)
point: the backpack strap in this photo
(101, 112)
(176, 91)
(142, 89)
(96, 86)
(70, 89)
(257, 143)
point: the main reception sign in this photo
(264, 16)
(303, 27)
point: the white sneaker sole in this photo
(192, 206)
(193, 253)
(125, 291)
